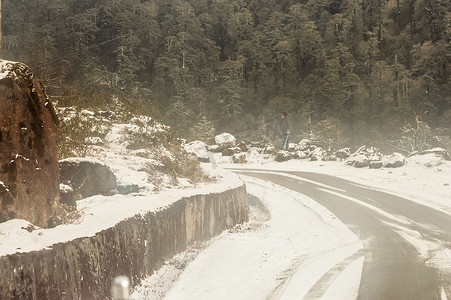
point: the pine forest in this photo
(348, 72)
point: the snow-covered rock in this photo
(199, 149)
(358, 161)
(300, 155)
(67, 195)
(343, 153)
(269, 149)
(395, 160)
(318, 154)
(243, 147)
(283, 156)
(214, 148)
(196, 147)
(239, 158)
(87, 176)
(303, 145)
(225, 140)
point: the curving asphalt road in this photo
(393, 268)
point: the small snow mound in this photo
(17, 227)
(196, 147)
(426, 160)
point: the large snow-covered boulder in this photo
(86, 176)
(395, 160)
(225, 140)
(198, 148)
(358, 161)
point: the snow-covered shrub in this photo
(75, 129)
(178, 163)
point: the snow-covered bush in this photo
(76, 129)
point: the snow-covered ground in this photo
(287, 238)
(300, 239)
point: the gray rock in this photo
(376, 164)
(68, 196)
(343, 153)
(228, 152)
(303, 145)
(358, 161)
(239, 158)
(87, 176)
(215, 148)
(395, 160)
(282, 156)
(127, 189)
(300, 155)
(243, 147)
(269, 149)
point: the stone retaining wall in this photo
(84, 268)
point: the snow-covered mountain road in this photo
(322, 237)
(406, 245)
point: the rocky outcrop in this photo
(85, 268)
(86, 176)
(28, 155)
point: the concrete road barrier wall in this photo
(85, 268)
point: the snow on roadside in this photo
(301, 237)
(102, 212)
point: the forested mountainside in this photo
(347, 71)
